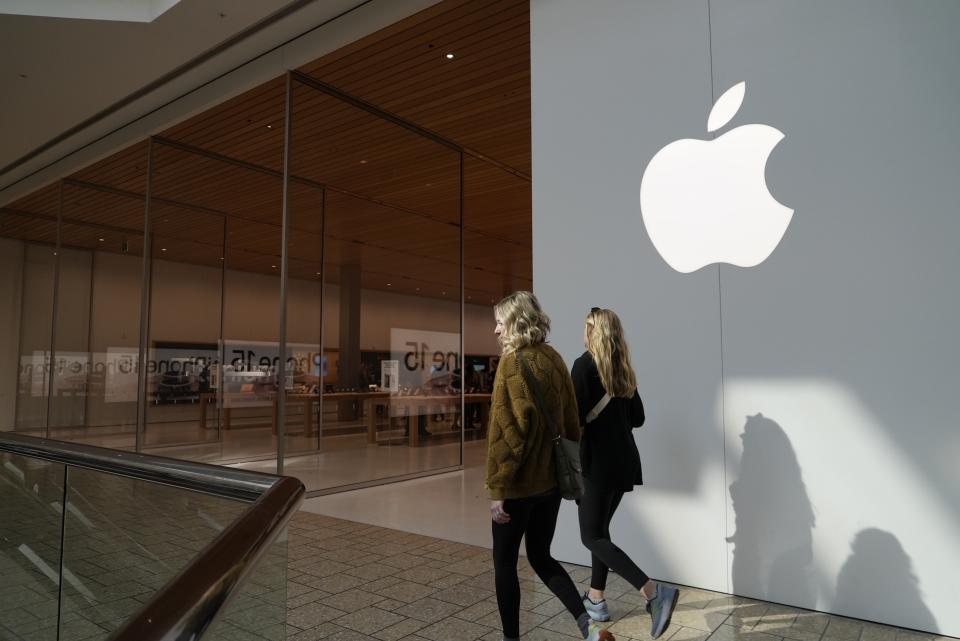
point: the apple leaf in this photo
(726, 106)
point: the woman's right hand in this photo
(497, 513)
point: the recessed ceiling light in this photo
(163, 249)
(363, 162)
(100, 239)
(450, 56)
(388, 284)
(444, 293)
(221, 258)
(318, 273)
(269, 126)
(274, 266)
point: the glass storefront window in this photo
(368, 377)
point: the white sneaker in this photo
(597, 611)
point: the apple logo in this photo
(706, 201)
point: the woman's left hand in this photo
(497, 513)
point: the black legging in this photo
(535, 516)
(596, 511)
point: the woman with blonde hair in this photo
(609, 408)
(533, 400)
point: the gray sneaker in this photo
(661, 608)
(597, 611)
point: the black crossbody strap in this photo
(537, 400)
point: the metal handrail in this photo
(219, 481)
(189, 603)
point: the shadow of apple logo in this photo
(706, 201)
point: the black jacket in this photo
(607, 449)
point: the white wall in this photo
(817, 388)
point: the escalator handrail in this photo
(186, 607)
(226, 482)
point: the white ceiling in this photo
(129, 10)
(57, 72)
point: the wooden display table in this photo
(417, 405)
(413, 405)
(309, 399)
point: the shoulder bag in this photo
(566, 452)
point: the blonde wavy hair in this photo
(524, 322)
(606, 342)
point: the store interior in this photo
(367, 236)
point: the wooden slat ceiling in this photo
(384, 197)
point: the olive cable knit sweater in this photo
(520, 437)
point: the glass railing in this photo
(99, 544)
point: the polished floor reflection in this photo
(451, 506)
(340, 454)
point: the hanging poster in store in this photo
(427, 359)
(250, 371)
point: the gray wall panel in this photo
(846, 338)
(612, 84)
(833, 470)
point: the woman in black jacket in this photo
(610, 407)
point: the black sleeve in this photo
(637, 416)
(581, 387)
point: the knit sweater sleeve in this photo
(511, 418)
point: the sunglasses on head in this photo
(594, 310)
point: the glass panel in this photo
(497, 261)
(28, 238)
(214, 327)
(251, 321)
(31, 501)
(123, 540)
(390, 367)
(304, 291)
(98, 306)
(183, 347)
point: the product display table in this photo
(417, 405)
(372, 401)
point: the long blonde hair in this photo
(524, 322)
(606, 342)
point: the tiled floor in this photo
(345, 580)
(349, 581)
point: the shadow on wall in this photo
(877, 567)
(773, 540)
